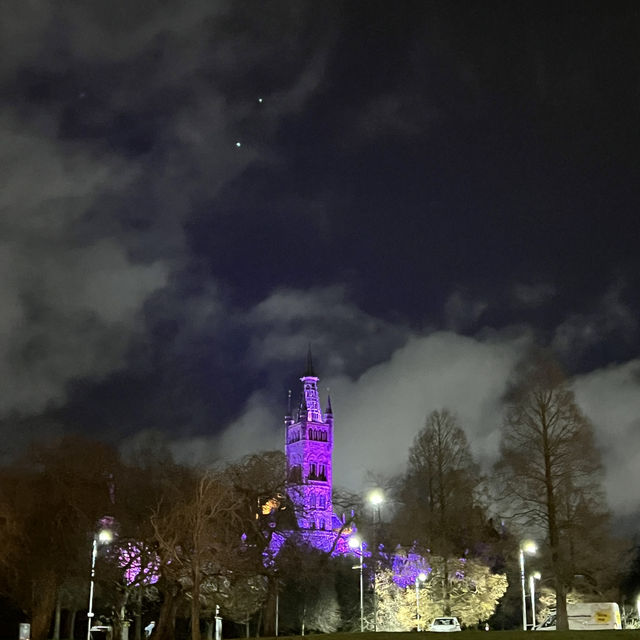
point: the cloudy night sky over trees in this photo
(194, 192)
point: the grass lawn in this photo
(630, 634)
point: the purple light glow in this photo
(309, 452)
(131, 560)
(408, 566)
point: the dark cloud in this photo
(194, 192)
(605, 333)
(71, 304)
(533, 295)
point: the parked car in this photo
(447, 623)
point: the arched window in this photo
(313, 500)
(295, 474)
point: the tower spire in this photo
(309, 373)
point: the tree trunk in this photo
(562, 621)
(72, 624)
(269, 617)
(165, 629)
(446, 588)
(138, 614)
(58, 616)
(122, 623)
(259, 623)
(562, 624)
(195, 604)
(44, 601)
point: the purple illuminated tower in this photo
(309, 448)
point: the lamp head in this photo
(376, 497)
(528, 546)
(422, 577)
(105, 536)
(355, 542)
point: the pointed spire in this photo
(329, 409)
(309, 373)
(302, 411)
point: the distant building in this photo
(309, 453)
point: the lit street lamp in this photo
(530, 547)
(421, 577)
(532, 593)
(355, 542)
(103, 537)
(376, 498)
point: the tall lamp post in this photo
(103, 537)
(376, 498)
(355, 542)
(532, 593)
(421, 577)
(529, 547)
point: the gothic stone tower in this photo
(309, 448)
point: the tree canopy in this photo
(549, 473)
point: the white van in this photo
(587, 616)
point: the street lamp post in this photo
(532, 593)
(376, 498)
(527, 546)
(103, 537)
(421, 577)
(356, 543)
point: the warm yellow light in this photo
(271, 505)
(354, 542)
(536, 575)
(529, 546)
(105, 536)
(422, 577)
(376, 497)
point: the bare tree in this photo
(549, 470)
(260, 483)
(199, 536)
(50, 504)
(437, 494)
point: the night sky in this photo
(194, 192)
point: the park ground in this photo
(628, 634)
